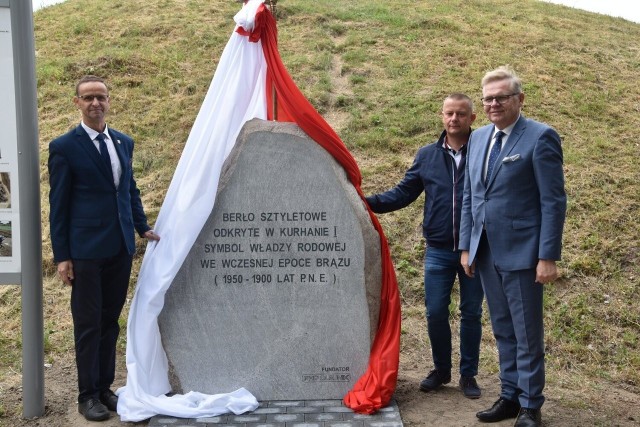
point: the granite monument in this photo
(280, 292)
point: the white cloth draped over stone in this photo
(236, 95)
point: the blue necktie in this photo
(493, 155)
(103, 150)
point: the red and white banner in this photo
(241, 89)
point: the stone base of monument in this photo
(296, 413)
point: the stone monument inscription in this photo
(280, 292)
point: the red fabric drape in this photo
(376, 387)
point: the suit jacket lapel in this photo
(514, 138)
(117, 144)
(90, 149)
(123, 155)
(481, 158)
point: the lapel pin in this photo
(118, 141)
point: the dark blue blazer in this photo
(522, 209)
(434, 171)
(90, 218)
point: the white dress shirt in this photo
(116, 168)
(505, 138)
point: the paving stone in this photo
(275, 410)
(304, 410)
(380, 416)
(213, 420)
(345, 424)
(330, 402)
(323, 416)
(286, 403)
(169, 422)
(285, 418)
(248, 418)
(338, 409)
(383, 424)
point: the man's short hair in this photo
(504, 72)
(457, 96)
(87, 79)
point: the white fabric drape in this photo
(236, 95)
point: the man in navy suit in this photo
(95, 208)
(513, 215)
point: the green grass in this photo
(385, 67)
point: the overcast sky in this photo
(37, 4)
(628, 9)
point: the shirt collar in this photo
(453, 150)
(507, 131)
(447, 147)
(93, 133)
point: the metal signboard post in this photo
(20, 222)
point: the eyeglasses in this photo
(500, 99)
(90, 98)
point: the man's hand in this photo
(65, 271)
(151, 235)
(469, 270)
(546, 271)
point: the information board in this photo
(9, 200)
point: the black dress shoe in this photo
(109, 399)
(93, 410)
(529, 418)
(501, 410)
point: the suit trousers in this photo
(515, 304)
(98, 294)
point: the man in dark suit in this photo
(95, 207)
(513, 215)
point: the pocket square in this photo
(511, 158)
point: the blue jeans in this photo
(440, 269)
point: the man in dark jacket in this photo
(438, 170)
(95, 208)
